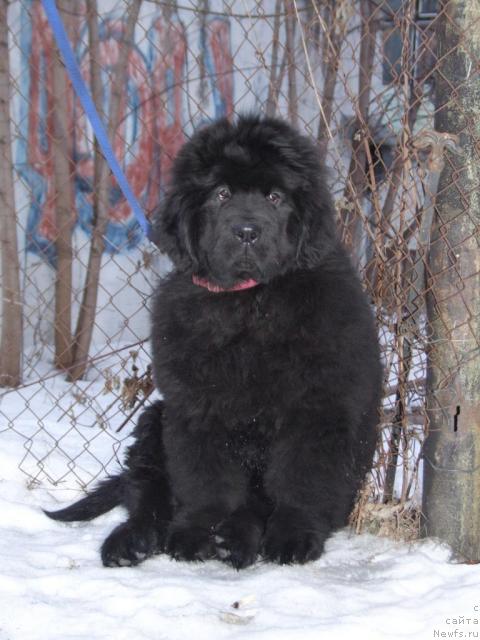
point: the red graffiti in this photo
(219, 39)
(151, 116)
(132, 142)
(168, 70)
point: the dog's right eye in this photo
(223, 194)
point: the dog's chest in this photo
(242, 340)
(248, 444)
(246, 373)
(233, 355)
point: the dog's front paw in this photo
(129, 544)
(190, 543)
(292, 537)
(237, 540)
(191, 533)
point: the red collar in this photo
(214, 288)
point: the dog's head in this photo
(247, 201)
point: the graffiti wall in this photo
(180, 73)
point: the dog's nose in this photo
(246, 233)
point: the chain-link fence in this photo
(390, 91)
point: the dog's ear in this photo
(317, 237)
(174, 230)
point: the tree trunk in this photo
(11, 340)
(273, 88)
(86, 318)
(290, 24)
(452, 450)
(333, 38)
(64, 204)
(351, 215)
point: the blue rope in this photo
(81, 90)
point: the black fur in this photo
(270, 393)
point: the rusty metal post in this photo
(452, 450)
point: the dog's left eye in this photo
(274, 197)
(223, 194)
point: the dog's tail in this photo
(109, 494)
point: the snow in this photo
(52, 584)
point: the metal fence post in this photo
(451, 504)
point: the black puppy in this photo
(265, 351)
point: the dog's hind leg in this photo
(147, 496)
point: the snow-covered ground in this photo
(52, 585)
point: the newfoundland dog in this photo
(265, 351)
